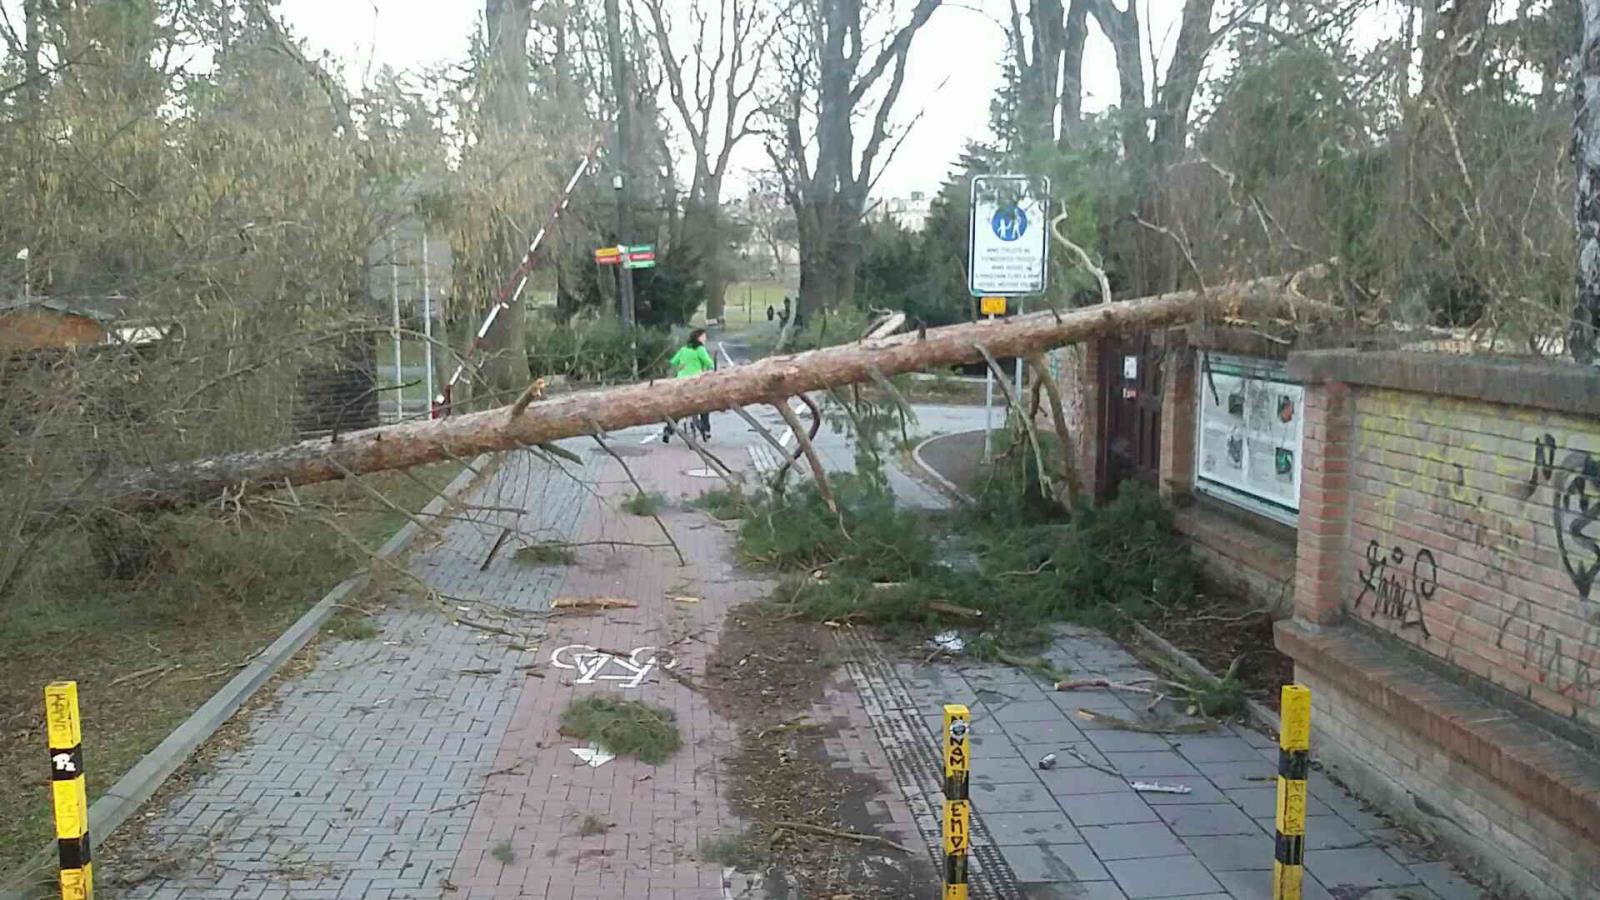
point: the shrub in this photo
(597, 350)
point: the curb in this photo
(1264, 717)
(140, 783)
(939, 480)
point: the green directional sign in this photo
(640, 256)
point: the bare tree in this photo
(842, 64)
(1586, 153)
(489, 244)
(712, 86)
(1050, 66)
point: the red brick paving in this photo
(656, 816)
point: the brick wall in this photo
(1497, 833)
(1471, 536)
(1445, 612)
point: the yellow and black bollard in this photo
(1294, 761)
(68, 794)
(957, 808)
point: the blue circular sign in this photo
(1009, 223)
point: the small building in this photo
(48, 323)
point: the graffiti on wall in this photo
(1435, 459)
(1398, 592)
(1574, 507)
(1445, 458)
(1560, 661)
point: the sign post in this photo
(957, 808)
(1294, 758)
(68, 795)
(1008, 254)
(990, 307)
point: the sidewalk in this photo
(427, 762)
(1080, 829)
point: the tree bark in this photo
(1582, 337)
(508, 114)
(1121, 27)
(419, 443)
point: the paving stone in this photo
(994, 676)
(1263, 801)
(1443, 880)
(1207, 818)
(1322, 832)
(1125, 741)
(1063, 750)
(1200, 791)
(1363, 867)
(1054, 731)
(1027, 711)
(1102, 701)
(1010, 829)
(1151, 764)
(1012, 798)
(1083, 780)
(1081, 890)
(1216, 749)
(1171, 876)
(1107, 809)
(1147, 839)
(1010, 769)
(1223, 853)
(1257, 885)
(1060, 863)
(1240, 774)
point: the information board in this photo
(1250, 425)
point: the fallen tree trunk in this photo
(767, 381)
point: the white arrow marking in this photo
(593, 756)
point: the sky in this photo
(952, 73)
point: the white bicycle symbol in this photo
(595, 665)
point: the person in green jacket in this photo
(692, 359)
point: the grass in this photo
(644, 504)
(351, 625)
(546, 554)
(745, 303)
(623, 727)
(591, 826)
(738, 851)
(503, 854)
(219, 591)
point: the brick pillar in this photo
(1322, 558)
(1177, 420)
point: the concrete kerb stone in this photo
(1263, 717)
(140, 783)
(933, 475)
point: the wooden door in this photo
(1130, 387)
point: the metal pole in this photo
(394, 299)
(1018, 394)
(427, 317)
(988, 409)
